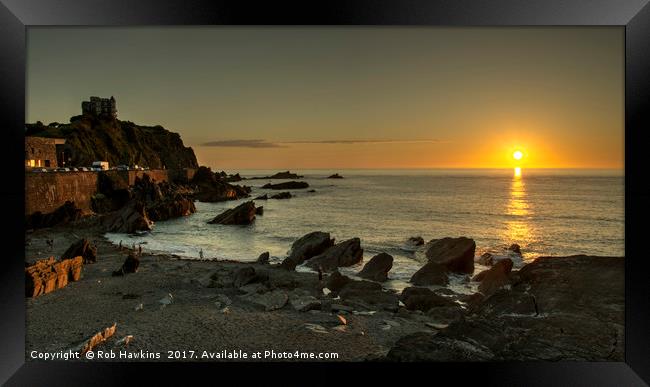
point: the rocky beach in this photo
(555, 308)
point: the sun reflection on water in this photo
(518, 210)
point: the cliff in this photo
(90, 139)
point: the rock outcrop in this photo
(346, 253)
(557, 308)
(416, 241)
(287, 185)
(49, 274)
(82, 248)
(369, 295)
(307, 247)
(264, 258)
(119, 142)
(335, 176)
(209, 188)
(377, 268)
(129, 219)
(243, 214)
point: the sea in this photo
(548, 212)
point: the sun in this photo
(517, 155)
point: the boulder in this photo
(49, 274)
(430, 274)
(264, 258)
(455, 254)
(335, 176)
(423, 299)
(486, 259)
(259, 210)
(377, 268)
(244, 276)
(416, 241)
(495, 277)
(82, 248)
(307, 247)
(287, 185)
(129, 219)
(346, 253)
(243, 214)
(262, 197)
(272, 300)
(305, 303)
(336, 281)
(369, 295)
(282, 195)
(130, 265)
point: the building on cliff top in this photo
(44, 152)
(100, 107)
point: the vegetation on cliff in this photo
(90, 139)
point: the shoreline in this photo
(205, 312)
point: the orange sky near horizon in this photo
(349, 97)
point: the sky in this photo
(348, 97)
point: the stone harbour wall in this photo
(47, 191)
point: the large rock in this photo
(242, 214)
(495, 277)
(346, 253)
(287, 185)
(306, 247)
(264, 258)
(272, 300)
(377, 268)
(424, 299)
(456, 254)
(49, 274)
(369, 295)
(430, 274)
(131, 218)
(130, 265)
(416, 240)
(82, 248)
(246, 276)
(557, 308)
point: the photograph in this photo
(325, 193)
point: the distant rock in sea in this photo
(287, 185)
(282, 195)
(335, 176)
(281, 175)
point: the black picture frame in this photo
(633, 15)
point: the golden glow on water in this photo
(518, 229)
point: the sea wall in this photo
(47, 191)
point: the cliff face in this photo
(90, 139)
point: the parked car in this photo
(39, 170)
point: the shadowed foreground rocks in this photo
(377, 268)
(556, 308)
(445, 255)
(307, 247)
(81, 248)
(346, 253)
